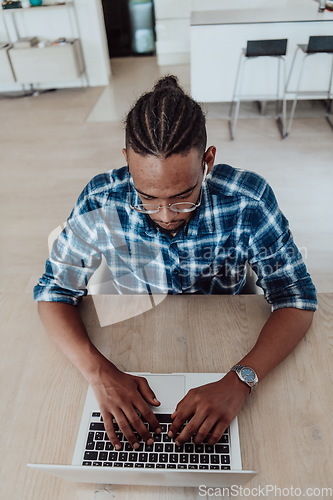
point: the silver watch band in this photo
(247, 375)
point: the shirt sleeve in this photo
(276, 260)
(74, 257)
(71, 263)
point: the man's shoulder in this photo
(231, 181)
(107, 183)
(100, 190)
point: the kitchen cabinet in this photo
(172, 25)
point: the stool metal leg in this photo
(296, 95)
(235, 104)
(281, 122)
(329, 98)
(286, 88)
(291, 70)
(284, 101)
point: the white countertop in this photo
(290, 13)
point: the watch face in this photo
(248, 374)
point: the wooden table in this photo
(285, 425)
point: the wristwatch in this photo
(246, 375)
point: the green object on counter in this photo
(36, 3)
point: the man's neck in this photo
(169, 233)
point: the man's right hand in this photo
(118, 394)
(122, 396)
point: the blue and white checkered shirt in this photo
(238, 221)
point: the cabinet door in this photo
(172, 9)
(173, 35)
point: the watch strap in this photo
(238, 369)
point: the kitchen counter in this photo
(292, 13)
(219, 36)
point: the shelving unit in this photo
(6, 70)
(49, 64)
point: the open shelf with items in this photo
(48, 64)
(48, 61)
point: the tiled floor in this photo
(51, 145)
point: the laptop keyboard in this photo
(162, 454)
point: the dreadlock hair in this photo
(165, 121)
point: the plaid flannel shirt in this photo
(238, 221)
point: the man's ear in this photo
(124, 151)
(210, 157)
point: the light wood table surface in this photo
(285, 425)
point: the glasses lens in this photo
(146, 209)
(175, 207)
(183, 207)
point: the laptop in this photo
(163, 463)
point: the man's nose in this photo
(166, 215)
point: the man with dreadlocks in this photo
(205, 223)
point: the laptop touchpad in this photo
(169, 390)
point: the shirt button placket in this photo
(176, 281)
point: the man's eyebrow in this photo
(174, 196)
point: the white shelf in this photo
(38, 7)
(60, 63)
(50, 64)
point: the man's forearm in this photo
(279, 336)
(65, 326)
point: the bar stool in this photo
(259, 48)
(316, 45)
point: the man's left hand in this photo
(210, 409)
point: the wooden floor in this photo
(51, 145)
